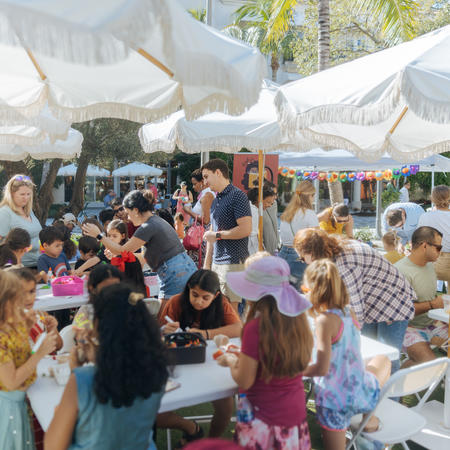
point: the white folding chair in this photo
(398, 422)
(68, 336)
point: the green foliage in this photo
(388, 196)
(198, 14)
(364, 234)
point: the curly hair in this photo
(317, 243)
(142, 200)
(210, 317)
(440, 196)
(131, 359)
(10, 290)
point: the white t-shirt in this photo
(197, 209)
(404, 195)
(439, 220)
(253, 238)
(308, 219)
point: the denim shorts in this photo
(297, 267)
(173, 275)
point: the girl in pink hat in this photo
(276, 348)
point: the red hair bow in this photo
(119, 261)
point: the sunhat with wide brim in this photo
(269, 276)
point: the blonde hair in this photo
(300, 200)
(391, 239)
(256, 257)
(285, 343)
(327, 289)
(10, 287)
(11, 187)
(440, 196)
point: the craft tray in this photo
(186, 355)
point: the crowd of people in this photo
(299, 308)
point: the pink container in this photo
(151, 280)
(68, 285)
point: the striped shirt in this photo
(378, 291)
(229, 205)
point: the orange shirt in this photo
(179, 227)
(173, 310)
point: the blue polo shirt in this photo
(228, 206)
(413, 212)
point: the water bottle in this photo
(49, 276)
(244, 412)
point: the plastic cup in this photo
(446, 299)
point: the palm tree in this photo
(254, 18)
(198, 14)
(397, 21)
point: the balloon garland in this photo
(388, 174)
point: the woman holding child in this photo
(16, 212)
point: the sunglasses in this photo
(341, 220)
(119, 209)
(436, 246)
(22, 178)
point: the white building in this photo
(223, 15)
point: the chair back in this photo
(68, 336)
(415, 379)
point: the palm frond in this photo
(398, 16)
(281, 16)
(257, 10)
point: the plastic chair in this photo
(68, 336)
(398, 422)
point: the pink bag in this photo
(194, 236)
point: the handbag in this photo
(194, 236)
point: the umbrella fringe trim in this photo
(19, 114)
(19, 139)
(58, 39)
(332, 142)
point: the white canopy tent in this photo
(136, 169)
(92, 171)
(66, 149)
(395, 101)
(180, 63)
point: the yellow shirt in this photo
(327, 225)
(14, 346)
(393, 256)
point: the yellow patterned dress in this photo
(15, 429)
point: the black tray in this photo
(186, 355)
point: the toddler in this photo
(393, 247)
(179, 225)
(89, 249)
(53, 257)
(15, 245)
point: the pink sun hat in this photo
(269, 276)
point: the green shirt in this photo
(423, 280)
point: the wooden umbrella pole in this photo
(36, 65)
(399, 118)
(154, 61)
(260, 198)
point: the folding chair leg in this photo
(169, 439)
(405, 445)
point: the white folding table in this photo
(46, 301)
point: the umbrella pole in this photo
(36, 65)
(155, 62)
(399, 118)
(260, 199)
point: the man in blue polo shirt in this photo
(231, 224)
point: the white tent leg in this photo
(95, 189)
(317, 195)
(379, 208)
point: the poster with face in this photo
(245, 170)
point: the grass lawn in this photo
(314, 429)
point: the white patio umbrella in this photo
(182, 63)
(257, 130)
(396, 101)
(78, 30)
(136, 169)
(65, 149)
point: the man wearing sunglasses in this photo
(403, 217)
(418, 269)
(121, 214)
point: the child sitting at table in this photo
(343, 386)
(392, 245)
(276, 348)
(89, 248)
(16, 243)
(53, 257)
(201, 308)
(17, 365)
(113, 404)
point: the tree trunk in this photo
(324, 34)
(15, 167)
(45, 196)
(336, 192)
(77, 200)
(275, 65)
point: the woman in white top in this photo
(439, 218)
(16, 212)
(269, 196)
(202, 208)
(297, 215)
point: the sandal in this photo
(198, 434)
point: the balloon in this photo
(405, 171)
(322, 176)
(342, 177)
(291, 172)
(396, 174)
(306, 175)
(284, 171)
(332, 177)
(379, 176)
(314, 175)
(370, 176)
(360, 176)
(414, 168)
(351, 176)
